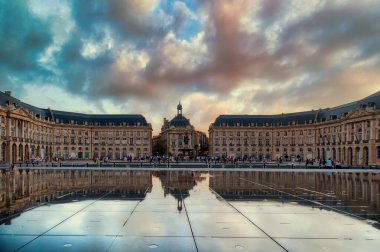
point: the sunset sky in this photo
(216, 57)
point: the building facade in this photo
(179, 138)
(348, 133)
(29, 132)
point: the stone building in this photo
(179, 138)
(349, 133)
(29, 132)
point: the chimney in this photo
(9, 93)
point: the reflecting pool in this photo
(184, 210)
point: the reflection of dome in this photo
(179, 121)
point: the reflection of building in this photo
(178, 184)
(348, 133)
(179, 138)
(355, 189)
(27, 131)
(20, 188)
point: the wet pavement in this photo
(195, 211)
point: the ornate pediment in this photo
(357, 113)
(20, 112)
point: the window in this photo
(309, 140)
(293, 141)
(277, 141)
(231, 141)
(359, 134)
(300, 140)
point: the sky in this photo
(216, 56)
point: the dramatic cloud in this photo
(217, 56)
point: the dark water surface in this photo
(140, 210)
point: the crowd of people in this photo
(321, 163)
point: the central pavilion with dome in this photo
(178, 138)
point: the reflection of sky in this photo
(290, 219)
(217, 57)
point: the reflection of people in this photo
(329, 163)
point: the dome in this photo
(179, 121)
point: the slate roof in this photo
(179, 121)
(4, 99)
(78, 118)
(262, 120)
(299, 117)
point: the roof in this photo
(299, 117)
(260, 120)
(4, 99)
(179, 121)
(77, 118)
